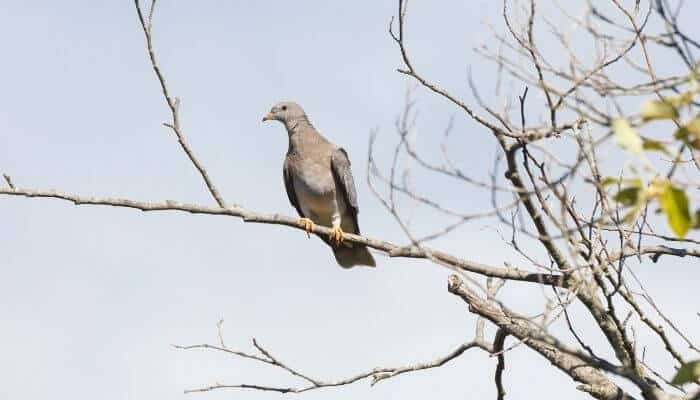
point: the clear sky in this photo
(91, 298)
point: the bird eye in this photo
(284, 108)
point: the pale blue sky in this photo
(92, 298)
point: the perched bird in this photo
(319, 183)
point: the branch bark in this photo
(391, 249)
(592, 380)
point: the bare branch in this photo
(377, 374)
(593, 381)
(173, 104)
(391, 249)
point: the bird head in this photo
(285, 112)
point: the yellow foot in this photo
(337, 236)
(307, 224)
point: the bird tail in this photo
(350, 256)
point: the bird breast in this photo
(315, 190)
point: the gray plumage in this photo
(319, 183)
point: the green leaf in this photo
(682, 99)
(674, 203)
(694, 125)
(687, 137)
(682, 133)
(687, 96)
(632, 196)
(690, 132)
(628, 196)
(688, 372)
(657, 109)
(696, 224)
(653, 145)
(631, 215)
(636, 182)
(630, 182)
(626, 136)
(609, 180)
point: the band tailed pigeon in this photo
(319, 184)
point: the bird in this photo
(319, 184)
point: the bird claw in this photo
(307, 224)
(337, 236)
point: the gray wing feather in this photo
(289, 185)
(340, 164)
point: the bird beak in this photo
(267, 117)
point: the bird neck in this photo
(297, 124)
(301, 134)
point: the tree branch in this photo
(173, 103)
(593, 381)
(393, 250)
(377, 374)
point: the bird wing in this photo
(289, 185)
(342, 173)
